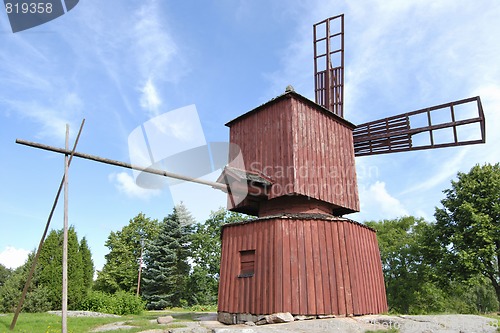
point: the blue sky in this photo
(120, 63)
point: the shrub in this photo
(120, 303)
(126, 303)
(38, 300)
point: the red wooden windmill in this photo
(301, 255)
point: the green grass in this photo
(50, 323)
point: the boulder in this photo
(280, 317)
(302, 317)
(226, 318)
(165, 320)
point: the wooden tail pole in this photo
(95, 158)
(35, 259)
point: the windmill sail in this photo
(329, 64)
(399, 133)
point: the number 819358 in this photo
(31, 8)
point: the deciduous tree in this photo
(205, 253)
(468, 226)
(121, 268)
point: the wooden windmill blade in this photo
(398, 133)
(329, 64)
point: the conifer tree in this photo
(87, 264)
(167, 269)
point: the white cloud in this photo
(154, 47)
(11, 257)
(125, 183)
(150, 100)
(377, 203)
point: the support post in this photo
(64, 314)
(40, 244)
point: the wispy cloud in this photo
(125, 183)
(150, 101)
(154, 47)
(440, 173)
(49, 116)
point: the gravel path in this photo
(405, 324)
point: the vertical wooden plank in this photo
(332, 161)
(331, 268)
(345, 269)
(259, 271)
(311, 288)
(354, 271)
(278, 265)
(223, 273)
(382, 300)
(238, 284)
(287, 290)
(266, 271)
(233, 267)
(372, 299)
(318, 281)
(325, 274)
(362, 280)
(248, 230)
(294, 267)
(302, 267)
(339, 277)
(272, 266)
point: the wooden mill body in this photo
(300, 255)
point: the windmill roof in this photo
(292, 94)
(244, 175)
(301, 216)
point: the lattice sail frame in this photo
(329, 64)
(395, 134)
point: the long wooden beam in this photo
(95, 158)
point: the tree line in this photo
(448, 265)
(178, 259)
(452, 264)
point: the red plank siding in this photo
(305, 149)
(308, 266)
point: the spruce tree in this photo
(167, 269)
(87, 264)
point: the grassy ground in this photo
(50, 323)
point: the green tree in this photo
(205, 252)
(408, 276)
(87, 264)
(120, 271)
(4, 274)
(49, 269)
(467, 227)
(166, 263)
(10, 291)
(37, 299)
